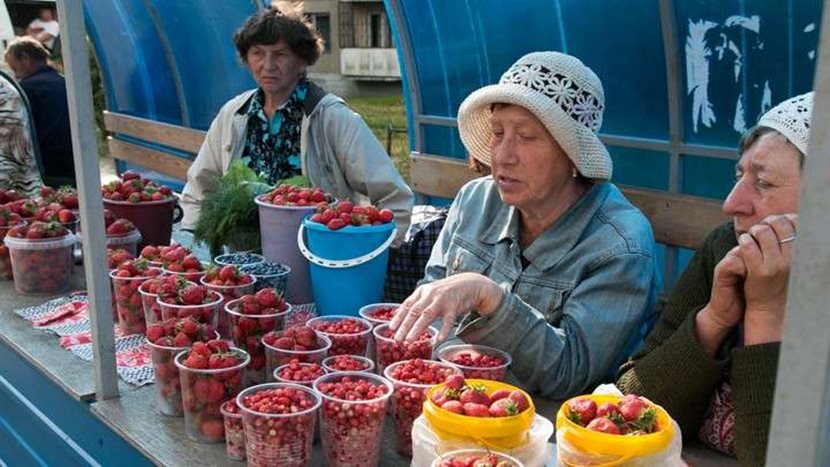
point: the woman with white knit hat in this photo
(712, 358)
(543, 258)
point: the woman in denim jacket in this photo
(543, 258)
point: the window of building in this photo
(322, 22)
(375, 30)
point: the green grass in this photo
(378, 112)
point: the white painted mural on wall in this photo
(711, 48)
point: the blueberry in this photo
(239, 259)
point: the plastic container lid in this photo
(39, 244)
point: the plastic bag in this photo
(569, 455)
(426, 445)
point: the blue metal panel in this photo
(41, 425)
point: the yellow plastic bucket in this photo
(621, 448)
(498, 433)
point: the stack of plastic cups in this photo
(247, 332)
(203, 392)
(279, 439)
(275, 357)
(352, 430)
(407, 404)
(228, 292)
(204, 313)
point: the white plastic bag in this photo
(426, 446)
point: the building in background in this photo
(360, 56)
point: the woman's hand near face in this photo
(726, 303)
(446, 299)
(767, 261)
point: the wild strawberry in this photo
(604, 425)
(582, 411)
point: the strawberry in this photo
(503, 408)
(520, 399)
(120, 227)
(604, 425)
(336, 224)
(610, 411)
(499, 394)
(385, 216)
(66, 216)
(454, 407)
(474, 394)
(582, 411)
(631, 407)
(455, 382)
(194, 295)
(472, 409)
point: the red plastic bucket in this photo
(154, 219)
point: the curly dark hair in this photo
(280, 23)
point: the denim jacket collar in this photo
(555, 242)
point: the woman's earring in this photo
(574, 173)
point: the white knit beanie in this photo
(563, 93)
(791, 118)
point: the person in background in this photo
(44, 28)
(712, 358)
(18, 163)
(46, 90)
(289, 126)
(544, 258)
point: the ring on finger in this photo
(787, 239)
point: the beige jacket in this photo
(338, 153)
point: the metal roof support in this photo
(85, 147)
(800, 430)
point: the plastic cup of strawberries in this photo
(299, 342)
(348, 363)
(166, 340)
(411, 380)
(477, 361)
(389, 351)
(378, 313)
(126, 280)
(177, 259)
(251, 317)
(234, 430)
(8, 219)
(152, 310)
(232, 284)
(299, 373)
(279, 421)
(351, 416)
(477, 458)
(210, 374)
(349, 335)
(192, 300)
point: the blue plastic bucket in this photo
(347, 266)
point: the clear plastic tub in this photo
(368, 313)
(275, 357)
(407, 403)
(234, 431)
(128, 242)
(5, 258)
(495, 373)
(278, 280)
(168, 383)
(344, 344)
(203, 392)
(247, 332)
(41, 267)
(352, 430)
(308, 382)
(150, 305)
(279, 439)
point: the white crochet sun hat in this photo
(791, 118)
(563, 93)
